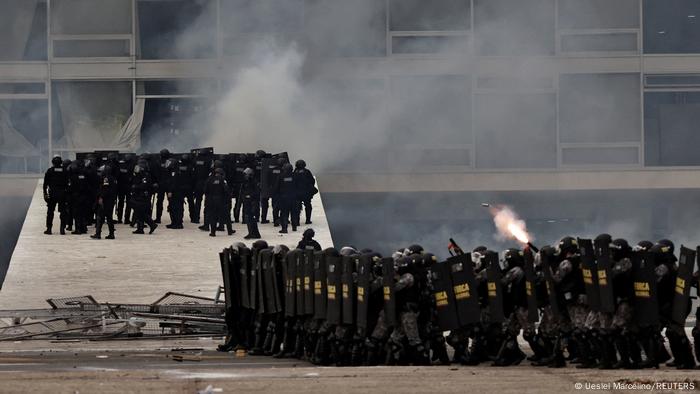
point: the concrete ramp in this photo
(130, 269)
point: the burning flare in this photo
(509, 225)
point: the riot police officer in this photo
(307, 189)
(80, 194)
(308, 241)
(250, 195)
(125, 167)
(141, 191)
(106, 196)
(286, 195)
(217, 194)
(55, 190)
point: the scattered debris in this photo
(174, 315)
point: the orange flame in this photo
(509, 225)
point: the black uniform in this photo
(179, 188)
(250, 195)
(55, 190)
(306, 184)
(217, 195)
(124, 170)
(80, 196)
(141, 192)
(106, 197)
(286, 198)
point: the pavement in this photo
(192, 365)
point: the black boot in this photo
(460, 354)
(696, 336)
(257, 349)
(321, 351)
(687, 361)
(608, 353)
(623, 348)
(267, 343)
(440, 353)
(585, 346)
(299, 345)
(537, 346)
(373, 352)
(477, 351)
(419, 355)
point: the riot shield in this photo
(268, 165)
(684, 278)
(646, 303)
(363, 289)
(256, 283)
(225, 268)
(548, 266)
(495, 287)
(244, 277)
(604, 275)
(348, 289)
(308, 257)
(530, 280)
(389, 280)
(290, 298)
(234, 266)
(444, 296)
(590, 273)
(279, 261)
(320, 295)
(299, 281)
(463, 289)
(267, 267)
(333, 287)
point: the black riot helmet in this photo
(219, 171)
(664, 254)
(129, 156)
(279, 249)
(513, 258)
(413, 249)
(217, 164)
(669, 244)
(248, 173)
(66, 163)
(403, 265)
(90, 160)
(287, 169)
(309, 233)
(57, 161)
(643, 245)
(300, 164)
(185, 158)
(112, 156)
(348, 251)
(259, 245)
(377, 265)
(282, 161)
(259, 154)
(428, 260)
(567, 245)
(604, 239)
(75, 166)
(164, 154)
(620, 249)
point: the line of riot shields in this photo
(595, 304)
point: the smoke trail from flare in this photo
(508, 224)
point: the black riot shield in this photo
(225, 261)
(290, 299)
(308, 257)
(590, 273)
(234, 265)
(348, 289)
(389, 280)
(444, 296)
(530, 292)
(320, 295)
(646, 303)
(548, 267)
(333, 288)
(266, 177)
(299, 281)
(604, 275)
(495, 287)
(684, 278)
(257, 295)
(363, 289)
(464, 288)
(245, 265)
(267, 267)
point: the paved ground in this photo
(151, 366)
(132, 268)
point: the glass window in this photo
(598, 14)
(415, 15)
(514, 27)
(599, 108)
(23, 30)
(671, 122)
(621, 42)
(515, 130)
(174, 122)
(599, 156)
(91, 16)
(346, 28)
(431, 110)
(89, 114)
(177, 29)
(404, 45)
(24, 132)
(246, 22)
(91, 48)
(671, 26)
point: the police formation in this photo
(98, 186)
(598, 304)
